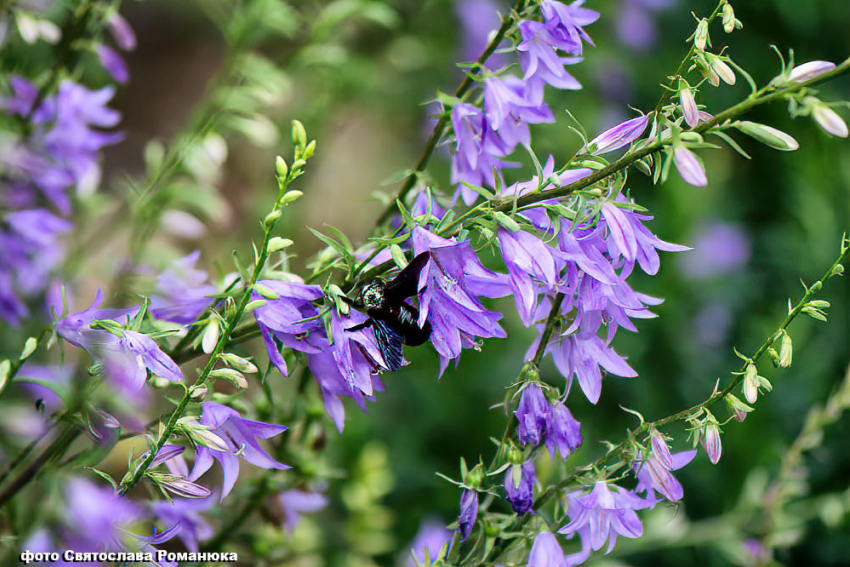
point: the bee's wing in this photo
(389, 343)
(406, 283)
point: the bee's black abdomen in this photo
(404, 320)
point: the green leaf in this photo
(731, 142)
(486, 193)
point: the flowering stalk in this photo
(134, 475)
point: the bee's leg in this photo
(367, 323)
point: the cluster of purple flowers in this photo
(57, 157)
(484, 137)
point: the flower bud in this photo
(768, 136)
(701, 38)
(722, 69)
(475, 477)
(689, 106)
(299, 134)
(738, 408)
(29, 348)
(233, 376)
(398, 256)
(291, 196)
(198, 393)
(711, 442)
(272, 217)
(211, 334)
(239, 363)
(277, 243)
(310, 149)
(809, 70)
(829, 121)
(281, 168)
(5, 368)
(689, 167)
(618, 136)
(730, 22)
(180, 486)
(661, 450)
(786, 350)
(751, 384)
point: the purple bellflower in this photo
(468, 513)
(186, 513)
(655, 475)
(520, 492)
(564, 433)
(112, 62)
(478, 18)
(241, 436)
(534, 416)
(121, 32)
(291, 319)
(182, 292)
(297, 502)
(333, 384)
(95, 516)
(618, 136)
(601, 515)
(530, 261)
(450, 284)
(546, 552)
(432, 535)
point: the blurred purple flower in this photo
(635, 22)
(74, 327)
(241, 436)
(297, 502)
(720, 249)
(521, 493)
(112, 63)
(432, 535)
(478, 19)
(127, 359)
(95, 515)
(182, 292)
(121, 31)
(546, 552)
(194, 528)
(533, 416)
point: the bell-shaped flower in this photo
(187, 513)
(294, 503)
(655, 475)
(449, 285)
(539, 60)
(565, 22)
(618, 136)
(564, 433)
(241, 436)
(126, 360)
(533, 416)
(468, 513)
(602, 515)
(530, 263)
(333, 384)
(546, 552)
(520, 488)
(290, 319)
(690, 168)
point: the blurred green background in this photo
(361, 90)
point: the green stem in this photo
(56, 449)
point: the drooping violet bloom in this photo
(629, 238)
(583, 355)
(75, 327)
(126, 360)
(297, 502)
(182, 292)
(95, 516)
(618, 136)
(241, 436)
(333, 384)
(194, 528)
(121, 31)
(112, 63)
(689, 167)
(539, 60)
(468, 513)
(510, 104)
(655, 475)
(291, 319)
(720, 249)
(565, 24)
(601, 515)
(546, 552)
(449, 285)
(477, 149)
(356, 353)
(520, 492)
(809, 70)
(533, 415)
(564, 433)
(432, 536)
(530, 263)
(478, 18)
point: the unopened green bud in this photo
(29, 348)
(514, 455)
(738, 408)
(233, 376)
(298, 164)
(291, 196)
(198, 393)
(211, 334)
(751, 384)
(272, 217)
(837, 270)
(266, 292)
(768, 136)
(730, 22)
(5, 368)
(299, 134)
(475, 477)
(310, 149)
(277, 243)
(239, 363)
(281, 167)
(816, 287)
(701, 38)
(254, 304)
(786, 350)
(398, 256)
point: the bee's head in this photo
(372, 296)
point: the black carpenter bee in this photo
(395, 321)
